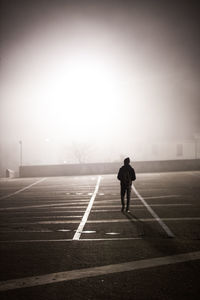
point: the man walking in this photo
(126, 175)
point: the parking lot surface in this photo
(66, 238)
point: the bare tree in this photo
(82, 152)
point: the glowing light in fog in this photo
(83, 100)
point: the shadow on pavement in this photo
(137, 222)
(156, 238)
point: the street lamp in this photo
(196, 144)
(20, 156)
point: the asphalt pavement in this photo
(66, 238)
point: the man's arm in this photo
(119, 176)
(133, 176)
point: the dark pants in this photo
(125, 190)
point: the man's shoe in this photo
(122, 208)
(127, 210)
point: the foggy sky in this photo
(152, 45)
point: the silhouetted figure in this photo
(126, 175)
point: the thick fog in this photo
(87, 81)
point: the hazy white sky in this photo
(98, 72)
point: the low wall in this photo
(108, 168)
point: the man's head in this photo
(127, 161)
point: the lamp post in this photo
(196, 144)
(20, 156)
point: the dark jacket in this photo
(126, 175)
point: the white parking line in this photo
(160, 197)
(69, 206)
(97, 271)
(27, 231)
(104, 221)
(66, 204)
(43, 205)
(162, 224)
(21, 190)
(47, 217)
(69, 240)
(111, 239)
(136, 198)
(140, 205)
(87, 212)
(49, 212)
(195, 173)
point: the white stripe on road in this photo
(21, 190)
(152, 212)
(136, 198)
(67, 204)
(144, 220)
(159, 197)
(97, 271)
(87, 212)
(142, 205)
(69, 240)
(8, 213)
(197, 173)
(28, 231)
(170, 204)
(43, 205)
(95, 210)
(111, 239)
(46, 217)
(103, 221)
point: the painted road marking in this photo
(152, 212)
(104, 221)
(105, 210)
(42, 212)
(88, 231)
(97, 271)
(144, 220)
(87, 212)
(70, 240)
(159, 197)
(49, 217)
(21, 190)
(111, 239)
(43, 205)
(66, 204)
(139, 205)
(197, 173)
(136, 198)
(27, 231)
(148, 197)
